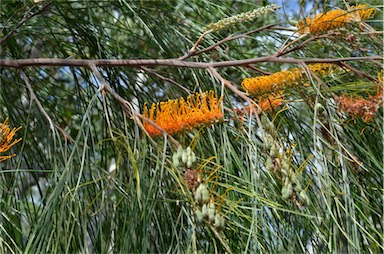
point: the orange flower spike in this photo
(179, 115)
(6, 136)
(272, 101)
(361, 12)
(323, 22)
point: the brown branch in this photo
(5, 38)
(138, 63)
(358, 72)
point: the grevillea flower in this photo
(325, 22)
(282, 80)
(246, 16)
(6, 136)
(173, 116)
(271, 102)
(358, 107)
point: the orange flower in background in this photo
(271, 102)
(358, 107)
(6, 136)
(322, 22)
(173, 116)
(282, 80)
(327, 21)
(272, 83)
(361, 12)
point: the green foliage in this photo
(87, 178)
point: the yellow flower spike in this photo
(361, 12)
(282, 80)
(180, 115)
(330, 20)
(6, 136)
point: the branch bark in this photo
(138, 63)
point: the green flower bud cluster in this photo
(245, 16)
(206, 211)
(184, 156)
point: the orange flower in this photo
(272, 101)
(325, 22)
(358, 107)
(272, 83)
(361, 12)
(179, 115)
(6, 136)
(282, 80)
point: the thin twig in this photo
(358, 72)
(41, 108)
(5, 38)
(154, 73)
(258, 70)
(229, 38)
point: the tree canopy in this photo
(191, 126)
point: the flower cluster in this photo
(325, 22)
(359, 107)
(173, 116)
(6, 136)
(246, 16)
(282, 80)
(270, 102)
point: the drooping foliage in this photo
(264, 134)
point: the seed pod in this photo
(204, 193)
(222, 222)
(211, 205)
(199, 216)
(179, 152)
(211, 215)
(286, 191)
(204, 211)
(303, 198)
(189, 151)
(269, 163)
(298, 186)
(211, 211)
(184, 157)
(272, 151)
(198, 195)
(189, 162)
(292, 176)
(193, 157)
(286, 182)
(217, 222)
(285, 165)
(175, 160)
